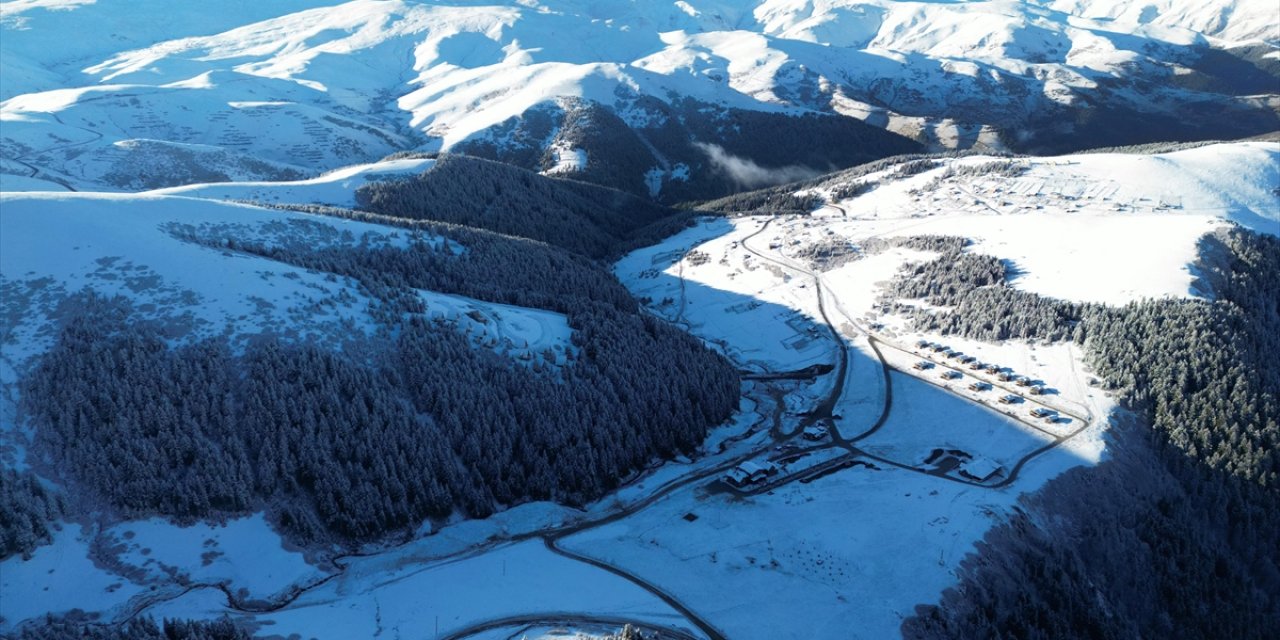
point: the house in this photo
(923, 344)
(993, 368)
(1036, 389)
(1022, 381)
(814, 432)
(1008, 398)
(750, 472)
(950, 375)
(922, 365)
(980, 386)
(1005, 376)
(975, 365)
(939, 347)
(981, 469)
(968, 359)
(1047, 414)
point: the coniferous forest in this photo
(354, 447)
(1174, 534)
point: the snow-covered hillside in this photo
(53, 246)
(161, 93)
(852, 552)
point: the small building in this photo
(814, 432)
(1036, 389)
(922, 365)
(993, 368)
(968, 359)
(1047, 414)
(981, 469)
(975, 365)
(1005, 376)
(1008, 398)
(923, 344)
(950, 375)
(939, 348)
(750, 472)
(979, 386)
(1023, 381)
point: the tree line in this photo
(145, 628)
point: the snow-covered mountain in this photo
(151, 93)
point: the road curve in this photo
(554, 618)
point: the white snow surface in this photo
(336, 188)
(57, 574)
(245, 553)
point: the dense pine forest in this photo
(577, 216)
(685, 141)
(416, 423)
(1174, 534)
(26, 510)
(136, 629)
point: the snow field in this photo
(119, 244)
(336, 188)
(845, 556)
(243, 553)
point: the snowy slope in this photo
(1107, 228)
(54, 245)
(304, 86)
(336, 188)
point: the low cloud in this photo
(746, 173)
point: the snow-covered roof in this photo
(980, 467)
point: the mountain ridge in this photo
(356, 81)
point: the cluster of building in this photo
(973, 364)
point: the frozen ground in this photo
(58, 577)
(244, 553)
(1106, 228)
